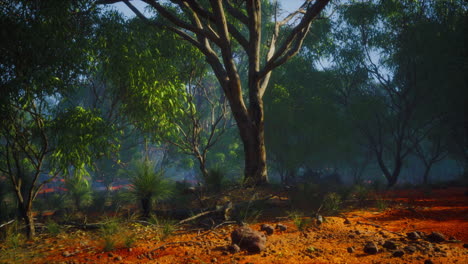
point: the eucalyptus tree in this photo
(215, 28)
(164, 87)
(406, 49)
(43, 51)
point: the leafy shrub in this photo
(381, 204)
(108, 233)
(361, 193)
(148, 185)
(53, 228)
(79, 192)
(215, 179)
(332, 203)
(299, 220)
(166, 227)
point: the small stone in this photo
(357, 232)
(319, 220)
(214, 260)
(350, 249)
(118, 258)
(465, 245)
(413, 235)
(281, 227)
(398, 253)
(347, 222)
(66, 254)
(110, 255)
(436, 237)
(428, 261)
(267, 228)
(390, 244)
(371, 248)
(130, 250)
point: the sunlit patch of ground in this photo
(444, 211)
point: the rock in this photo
(249, 239)
(350, 249)
(214, 260)
(281, 227)
(319, 219)
(409, 249)
(118, 258)
(390, 244)
(66, 254)
(110, 255)
(436, 237)
(347, 222)
(371, 248)
(234, 248)
(267, 228)
(413, 235)
(428, 261)
(465, 245)
(398, 253)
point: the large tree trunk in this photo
(27, 214)
(251, 129)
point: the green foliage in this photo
(299, 220)
(215, 179)
(381, 204)
(83, 137)
(52, 227)
(361, 193)
(79, 191)
(109, 234)
(148, 185)
(166, 227)
(332, 203)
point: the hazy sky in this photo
(288, 5)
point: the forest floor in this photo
(339, 239)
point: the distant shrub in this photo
(215, 179)
(299, 220)
(148, 185)
(332, 203)
(381, 204)
(52, 227)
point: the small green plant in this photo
(249, 214)
(108, 233)
(52, 227)
(166, 226)
(167, 229)
(299, 220)
(381, 204)
(361, 193)
(130, 239)
(332, 203)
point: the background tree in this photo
(215, 28)
(41, 62)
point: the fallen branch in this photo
(7, 223)
(197, 216)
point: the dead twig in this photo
(7, 223)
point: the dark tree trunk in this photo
(27, 214)
(146, 206)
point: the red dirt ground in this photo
(444, 211)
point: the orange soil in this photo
(445, 211)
